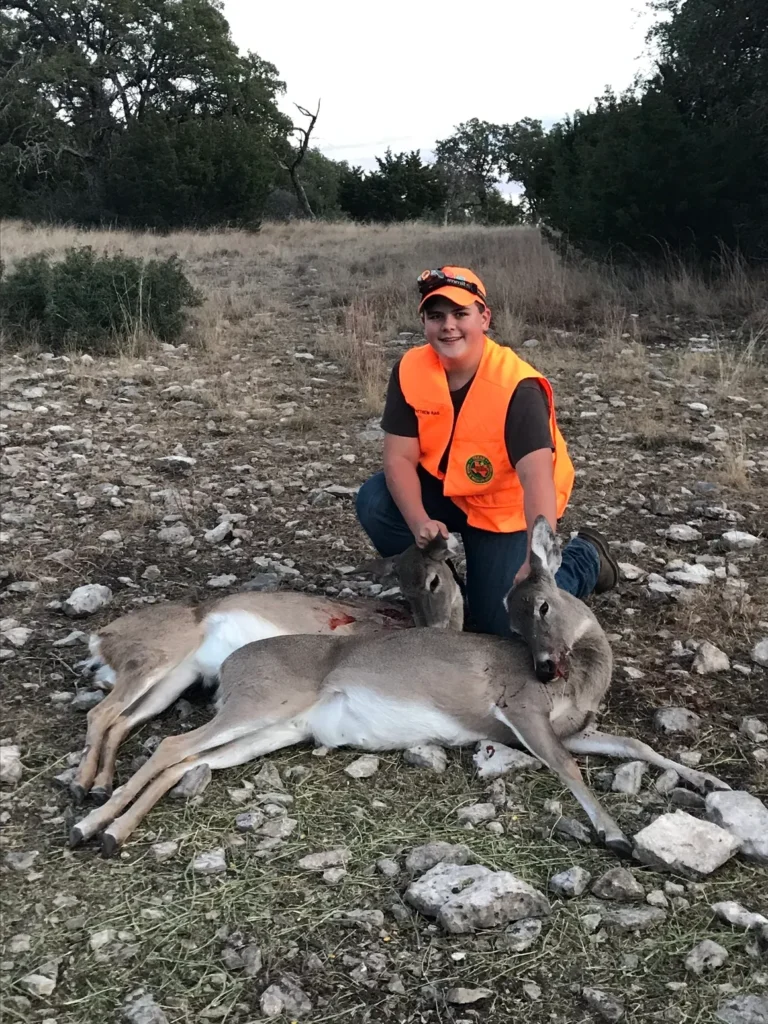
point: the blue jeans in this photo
(492, 558)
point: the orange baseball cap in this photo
(459, 284)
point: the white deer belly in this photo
(358, 717)
(227, 632)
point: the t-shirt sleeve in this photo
(398, 417)
(527, 427)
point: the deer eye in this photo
(543, 609)
(434, 584)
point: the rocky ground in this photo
(397, 892)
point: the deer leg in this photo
(112, 837)
(228, 755)
(592, 741)
(271, 709)
(101, 718)
(171, 751)
(150, 704)
(535, 732)
(127, 693)
(101, 788)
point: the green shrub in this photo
(94, 302)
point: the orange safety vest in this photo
(480, 479)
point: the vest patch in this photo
(479, 469)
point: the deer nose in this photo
(546, 670)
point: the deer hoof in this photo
(75, 836)
(100, 794)
(711, 784)
(78, 792)
(109, 845)
(619, 845)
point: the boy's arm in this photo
(537, 476)
(401, 457)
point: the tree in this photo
(712, 55)
(355, 196)
(95, 73)
(196, 172)
(116, 60)
(713, 63)
(679, 161)
(402, 188)
(321, 178)
(470, 163)
(523, 160)
(625, 175)
(501, 210)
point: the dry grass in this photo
(354, 287)
(358, 345)
(733, 471)
(726, 360)
(372, 270)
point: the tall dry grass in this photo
(361, 280)
(523, 273)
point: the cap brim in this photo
(460, 296)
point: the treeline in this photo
(143, 113)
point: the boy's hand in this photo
(427, 530)
(522, 573)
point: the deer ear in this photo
(439, 549)
(379, 566)
(545, 548)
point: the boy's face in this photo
(456, 333)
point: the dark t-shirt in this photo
(525, 431)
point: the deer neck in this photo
(591, 664)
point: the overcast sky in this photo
(402, 73)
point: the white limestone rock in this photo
(363, 767)
(681, 532)
(710, 659)
(670, 721)
(427, 755)
(570, 883)
(210, 862)
(738, 540)
(86, 600)
(422, 858)
(706, 956)
(745, 817)
(466, 898)
(681, 843)
(493, 760)
(11, 768)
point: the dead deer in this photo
(387, 692)
(153, 655)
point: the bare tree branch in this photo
(298, 155)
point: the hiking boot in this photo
(608, 576)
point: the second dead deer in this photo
(153, 655)
(390, 692)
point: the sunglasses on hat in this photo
(430, 280)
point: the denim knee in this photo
(369, 499)
(579, 569)
(380, 517)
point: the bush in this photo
(94, 302)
